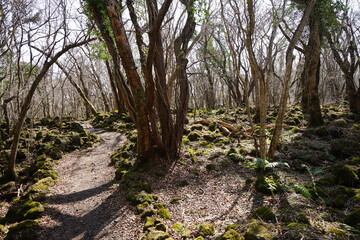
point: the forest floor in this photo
(217, 190)
(86, 202)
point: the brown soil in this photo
(86, 202)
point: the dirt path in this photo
(87, 203)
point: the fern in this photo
(301, 189)
(263, 164)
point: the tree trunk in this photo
(311, 75)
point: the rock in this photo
(198, 127)
(265, 214)
(151, 222)
(207, 229)
(164, 213)
(210, 166)
(24, 210)
(345, 175)
(44, 173)
(141, 207)
(353, 219)
(159, 205)
(147, 213)
(25, 230)
(266, 185)
(231, 235)
(194, 136)
(154, 234)
(255, 230)
(178, 227)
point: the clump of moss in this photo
(164, 213)
(178, 227)
(24, 210)
(24, 230)
(141, 207)
(154, 234)
(230, 235)
(159, 205)
(44, 173)
(265, 214)
(256, 230)
(207, 229)
(141, 197)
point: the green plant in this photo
(263, 164)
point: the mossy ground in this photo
(221, 172)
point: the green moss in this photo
(344, 147)
(141, 207)
(140, 197)
(25, 230)
(164, 213)
(230, 235)
(265, 214)
(231, 150)
(207, 229)
(154, 234)
(43, 173)
(198, 127)
(353, 219)
(255, 230)
(178, 227)
(297, 225)
(37, 190)
(194, 136)
(151, 222)
(159, 205)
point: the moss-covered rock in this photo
(255, 230)
(141, 207)
(231, 235)
(147, 213)
(25, 230)
(154, 234)
(265, 214)
(266, 185)
(207, 229)
(140, 197)
(353, 219)
(159, 205)
(24, 210)
(164, 213)
(152, 222)
(175, 200)
(198, 127)
(178, 227)
(339, 196)
(344, 175)
(194, 136)
(44, 173)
